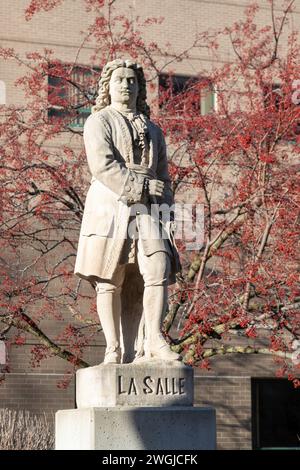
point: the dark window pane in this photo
(71, 92)
(272, 96)
(276, 414)
(184, 93)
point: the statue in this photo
(126, 155)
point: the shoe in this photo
(159, 349)
(112, 355)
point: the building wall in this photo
(63, 30)
(227, 385)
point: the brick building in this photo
(232, 386)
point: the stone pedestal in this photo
(139, 406)
(132, 428)
(141, 384)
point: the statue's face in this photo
(123, 87)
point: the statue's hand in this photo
(156, 187)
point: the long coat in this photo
(115, 186)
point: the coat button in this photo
(131, 178)
(127, 188)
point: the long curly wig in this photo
(103, 98)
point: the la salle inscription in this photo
(149, 385)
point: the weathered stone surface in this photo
(128, 162)
(150, 383)
(171, 428)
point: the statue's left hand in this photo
(156, 187)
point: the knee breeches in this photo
(155, 270)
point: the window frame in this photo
(189, 80)
(258, 405)
(69, 94)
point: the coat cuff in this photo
(132, 191)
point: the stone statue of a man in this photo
(127, 158)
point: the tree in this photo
(238, 162)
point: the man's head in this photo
(122, 81)
(123, 87)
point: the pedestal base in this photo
(130, 428)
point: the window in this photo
(71, 92)
(276, 100)
(184, 93)
(272, 96)
(275, 414)
(2, 92)
(2, 353)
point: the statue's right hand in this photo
(156, 187)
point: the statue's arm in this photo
(103, 165)
(162, 171)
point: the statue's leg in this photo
(155, 271)
(109, 311)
